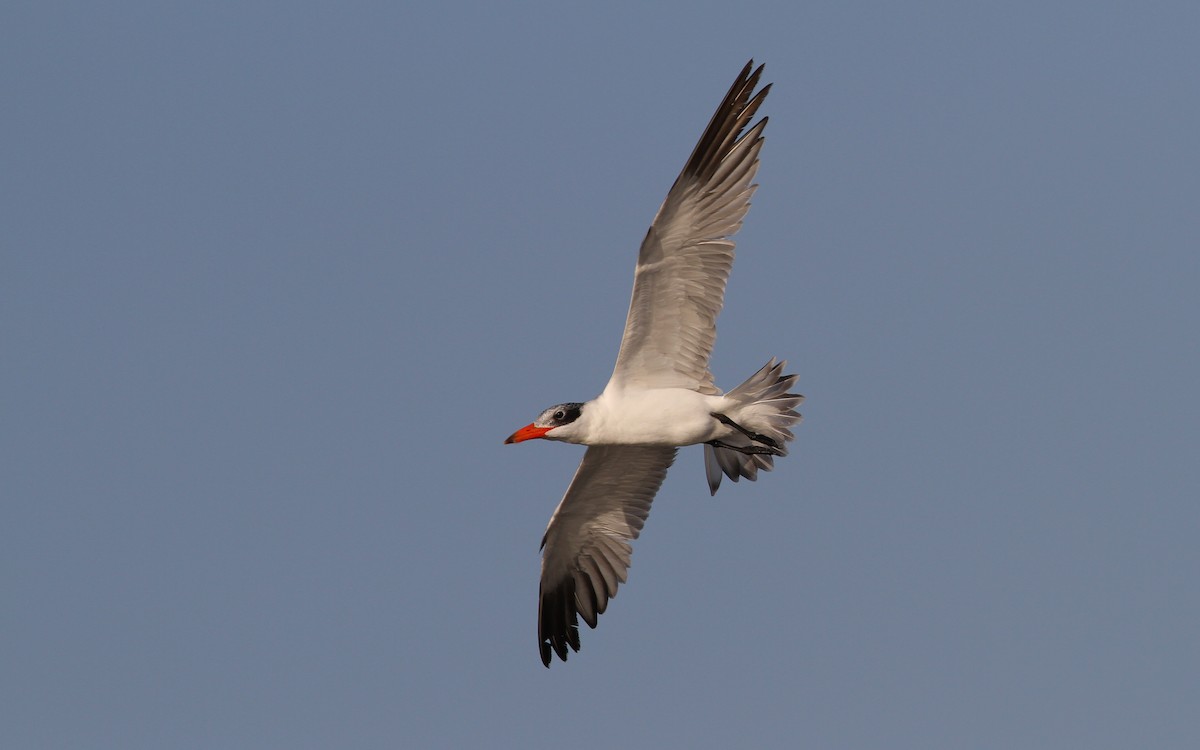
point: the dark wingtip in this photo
(729, 121)
(558, 622)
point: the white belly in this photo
(668, 416)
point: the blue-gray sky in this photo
(278, 278)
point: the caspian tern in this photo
(661, 394)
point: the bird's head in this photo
(552, 424)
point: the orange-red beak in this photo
(528, 432)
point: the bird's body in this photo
(661, 395)
(661, 416)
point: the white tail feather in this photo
(767, 408)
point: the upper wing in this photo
(684, 262)
(586, 548)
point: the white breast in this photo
(657, 416)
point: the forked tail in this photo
(767, 402)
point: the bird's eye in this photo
(560, 414)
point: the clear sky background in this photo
(278, 278)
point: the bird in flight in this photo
(661, 395)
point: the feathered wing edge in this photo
(687, 254)
(725, 127)
(586, 551)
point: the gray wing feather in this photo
(685, 259)
(586, 552)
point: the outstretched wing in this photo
(685, 259)
(585, 553)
